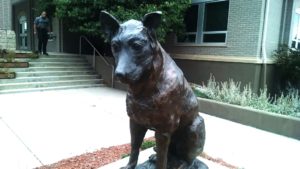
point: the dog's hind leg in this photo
(137, 136)
(188, 142)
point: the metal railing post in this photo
(112, 76)
(94, 59)
(95, 51)
(80, 46)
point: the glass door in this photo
(23, 36)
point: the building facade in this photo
(5, 14)
(7, 36)
(234, 39)
(23, 14)
(226, 38)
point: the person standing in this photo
(41, 28)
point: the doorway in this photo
(23, 33)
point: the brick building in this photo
(7, 36)
(5, 14)
(234, 39)
(227, 38)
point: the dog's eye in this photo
(115, 47)
(137, 46)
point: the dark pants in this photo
(43, 40)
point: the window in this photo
(206, 22)
(296, 30)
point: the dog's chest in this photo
(153, 112)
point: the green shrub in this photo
(288, 62)
(9, 56)
(33, 55)
(83, 16)
(124, 155)
(231, 92)
(147, 144)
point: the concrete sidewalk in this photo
(45, 127)
(59, 124)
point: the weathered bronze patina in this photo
(159, 97)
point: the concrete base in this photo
(272, 122)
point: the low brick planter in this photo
(272, 122)
(7, 75)
(26, 55)
(14, 64)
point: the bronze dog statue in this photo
(159, 97)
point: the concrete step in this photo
(46, 59)
(51, 88)
(38, 69)
(51, 73)
(57, 64)
(26, 85)
(62, 56)
(49, 78)
(54, 73)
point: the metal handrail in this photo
(94, 56)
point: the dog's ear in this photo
(152, 20)
(109, 24)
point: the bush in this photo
(288, 63)
(231, 92)
(83, 16)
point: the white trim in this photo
(203, 1)
(200, 25)
(217, 58)
(215, 32)
(202, 44)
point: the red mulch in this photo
(94, 159)
(219, 161)
(108, 155)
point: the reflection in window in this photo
(215, 18)
(296, 30)
(206, 22)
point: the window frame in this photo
(200, 27)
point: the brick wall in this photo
(245, 24)
(5, 14)
(7, 40)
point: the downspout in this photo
(264, 41)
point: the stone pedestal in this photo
(173, 164)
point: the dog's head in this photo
(133, 45)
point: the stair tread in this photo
(56, 71)
(50, 88)
(52, 72)
(62, 76)
(49, 78)
(58, 81)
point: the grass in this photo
(145, 145)
(231, 92)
